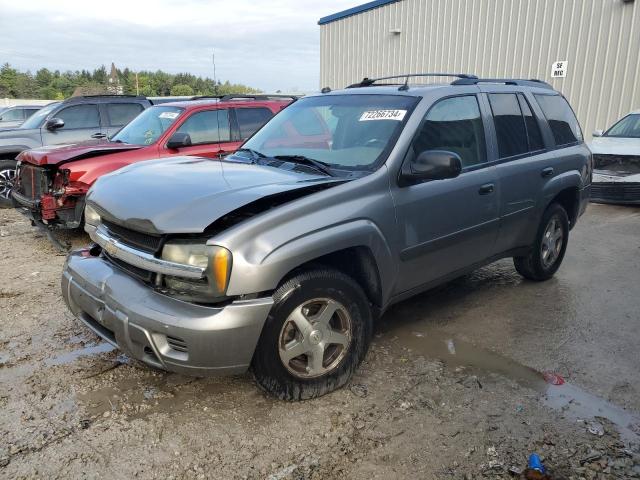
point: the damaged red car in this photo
(52, 181)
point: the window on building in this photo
(454, 124)
(509, 122)
(562, 121)
(80, 116)
(210, 126)
(251, 119)
(122, 113)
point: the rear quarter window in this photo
(562, 121)
(122, 113)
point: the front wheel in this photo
(7, 177)
(549, 248)
(316, 335)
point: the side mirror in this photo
(598, 133)
(54, 124)
(179, 140)
(435, 165)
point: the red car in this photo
(51, 182)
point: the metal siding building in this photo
(600, 39)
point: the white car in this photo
(616, 162)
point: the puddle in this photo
(571, 400)
(172, 393)
(88, 350)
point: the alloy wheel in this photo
(551, 244)
(7, 177)
(315, 338)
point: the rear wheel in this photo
(547, 253)
(7, 177)
(315, 337)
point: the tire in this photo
(343, 340)
(7, 175)
(548, 251)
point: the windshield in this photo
(629, 127)
(147, 127)
(352, 132)
(35, 120)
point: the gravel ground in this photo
(451, 387)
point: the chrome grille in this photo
(139, 273)
(144, 241)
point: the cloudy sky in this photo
(266, 44)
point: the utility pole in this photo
(215, 80)
(137, 87)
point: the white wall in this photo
(498, 38)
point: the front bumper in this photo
(161, 331)
(66, 217)
(617, 192)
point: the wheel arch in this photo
(356, 248)
(564, 189)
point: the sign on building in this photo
(559, 69)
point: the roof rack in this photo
(260, 96)
(367, 82)
(532, 82)
(108, 95)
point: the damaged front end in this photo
(616, 179)
(47, 196)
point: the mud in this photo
(451, 388)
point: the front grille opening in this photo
(137, 272)
(177, 344)
(32, 181)
(143, 241)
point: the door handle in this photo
(486, 189)
(546, 172)
(99, 135)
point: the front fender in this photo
(254, 272)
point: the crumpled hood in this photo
(615, 146)
(57, 154)
(187, 194)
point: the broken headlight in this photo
(215, 260)
(91, 217)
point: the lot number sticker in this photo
(170, 115)
(559, 69)
(383, 115)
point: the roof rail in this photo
(108, 95)
(259, 96)
(367, 82)
(532, 82)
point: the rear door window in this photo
(80, 116)
(533, 128)
(12, 115)
(122, 113)
(209, 126)
(251, 119)
(562, 121)
(511, 131)
(454, 124)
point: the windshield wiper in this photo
(301, 159)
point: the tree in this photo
(49, 85)
(181, 90)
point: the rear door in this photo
(522, 158)
(448, 225)
(81, 122)
(117, 115)
(249, 120)
(210, 133)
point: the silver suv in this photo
(282, 256)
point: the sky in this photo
(271, 45)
